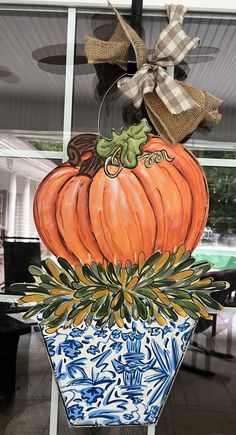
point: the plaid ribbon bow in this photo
(171, 47)
(166, 100)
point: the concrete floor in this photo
(197, 405)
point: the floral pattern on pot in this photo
(113, 376)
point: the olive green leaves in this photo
(164, 287)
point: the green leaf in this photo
(50, 310)
(207, 300)
(56, 321)
(111, 320)
(97, 304)
(169, 312)
(191, 314)
(102, 273)
(112, 273)
(89, 318)
(76, 285)
(65, 280)
(189, 305)
(119, 302)
(102, 321)
(144, 282)
(185, 264)
(127, 314)
(48, 279)
(122, 312)
(184, 257)
(163, 283)
(94, 268)
(76, 310)
(89, 274)
(201, 271)
(150, 263)
(85, 291)
(135, 312)
(35, 271)
(184, 283)
(128, 266)
(47, 287)
(104, 310)
(200, 263)
(28, 288)
(128, 141)
(51, 299)
(144, 292)
(142, 309)
(164, 272)
(33, 311)
(151, 309)
(68, 268)
(215, 286)
(177, 294)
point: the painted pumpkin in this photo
(85, 213)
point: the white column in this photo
(26, 208)
(11, 205)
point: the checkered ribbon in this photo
(171, 47)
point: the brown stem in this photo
(81, 151)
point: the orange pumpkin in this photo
(84, 215)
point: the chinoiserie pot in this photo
(115, 376)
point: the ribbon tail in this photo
(175, 98)
(211, 108)
(173, 44)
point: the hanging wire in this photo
(104, 97)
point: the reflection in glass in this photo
(218, 243)
(19, 179)
(31, 99)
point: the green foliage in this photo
(164, 287)
(222, 189)
(44, 145)
(222, 186)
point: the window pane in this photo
(32, 76)
(98, 105)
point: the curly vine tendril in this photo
(155, 157)
(149, 160)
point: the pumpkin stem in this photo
(81, 151)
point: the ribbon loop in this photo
(173, 44)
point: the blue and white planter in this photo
(113, 376)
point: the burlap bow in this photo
(175, 108)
